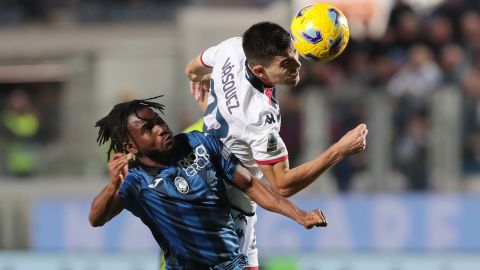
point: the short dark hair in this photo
(113, 127)
(264, 40)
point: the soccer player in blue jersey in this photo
(177, 186)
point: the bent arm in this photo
(197, 71)
(106, 205)
(287, 182)
(273, 202)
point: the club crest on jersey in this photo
(271, 142)
(182, 185)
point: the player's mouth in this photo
(167, 136)
(293, 75)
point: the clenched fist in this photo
(314, 218)
(354, 141)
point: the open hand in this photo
(199, 90)
(314, 218)
(354, 141)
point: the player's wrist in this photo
(335, 153)
(113, 186)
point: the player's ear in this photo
(259, 72)
(130, 147)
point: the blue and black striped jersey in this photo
(185, 204)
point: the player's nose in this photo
(296, 65)
(161, 129)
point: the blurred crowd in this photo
(21, 12)
(29, 120)
(418, 55)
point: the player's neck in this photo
(149, 166)
(156, 161)
(267, 83)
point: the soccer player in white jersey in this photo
(242, 111)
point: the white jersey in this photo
(242, 112)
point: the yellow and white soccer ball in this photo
(320, 32)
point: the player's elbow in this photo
(95, 222)
(282, 190)
(190, 72)
(285, 192)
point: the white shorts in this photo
(244, 227)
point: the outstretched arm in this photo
(288, 182)
(107, 204)
(273, 202)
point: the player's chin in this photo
(292, 81)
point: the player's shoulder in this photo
(191, 135)
(232, 47)
(233, 41)
(133, 180)
(195, 136)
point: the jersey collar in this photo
(152, 171)
(266, 89)
(256, 82)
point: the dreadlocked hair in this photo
(113, 127)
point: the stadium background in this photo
(411, 72)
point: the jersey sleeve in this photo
(267, 146)
(209, 56)
(129, 189)
(224, 161)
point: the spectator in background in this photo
(410, 88)
(410, 152)
(470, 27)
(452, 62)
(418, 76)
(292, 124)
(346, 115)
(439, 32)
(19, 125)
(471, 124)
(400, 7)
(453, 10)
(407, 34)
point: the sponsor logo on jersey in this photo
(269, 119)
(271, 142)
(155, 182)
(182, 185)
(195, 161)
(229, 87)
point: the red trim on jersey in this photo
(269, 94)
(252, 268)
(273, 161)
(201, 60)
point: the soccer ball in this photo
(320, 32)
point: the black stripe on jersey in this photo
(172, 211)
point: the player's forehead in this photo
(143, 115)
(287, 56)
